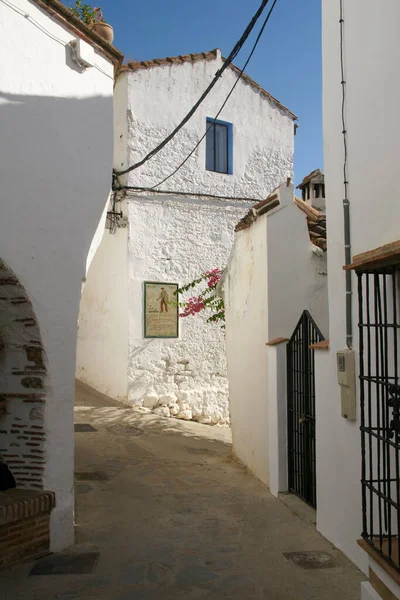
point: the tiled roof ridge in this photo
(246, 78)
(316, 223)
(139, 65)
(310, 176)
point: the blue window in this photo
(219, 146)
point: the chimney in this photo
(313, 189)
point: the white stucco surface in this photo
(102, 349)
(370, 59)
(246, 305)
(55, 162)
(273, 275)
(176, 238)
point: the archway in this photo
(23, 385)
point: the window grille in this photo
(378, 296)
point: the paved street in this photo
(172, 515)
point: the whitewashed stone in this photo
(174, 409)
(150, 401)
(163, 411)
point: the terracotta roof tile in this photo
(169, 60)
(262, 91)
(257, 210)
(318, 174)
(206, 56)
(316, 222)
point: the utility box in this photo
(347, 381)
(82, 53)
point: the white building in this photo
(276, 271)
(370, 59)
(56, 149)
(179, 232)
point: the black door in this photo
(301, 408)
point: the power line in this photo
(234, 52)
(226, 99)
(191, 194)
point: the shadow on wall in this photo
(56, 157)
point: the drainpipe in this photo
(346, 202)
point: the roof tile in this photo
(207, 56)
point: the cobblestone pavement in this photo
(173, 515)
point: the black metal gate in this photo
(301, 408)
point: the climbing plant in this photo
(208, 299)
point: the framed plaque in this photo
(161, 313)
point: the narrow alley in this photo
(164, 511)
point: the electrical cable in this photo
(346, 202)
(191, 194)
(234, 52)
(226, 99)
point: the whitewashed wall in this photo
(174, 239)
(371, 58)
(246, 305)
(56, 144)
(296, 270)
(102, 349)
(272, 276)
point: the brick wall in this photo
(24, 540)
(22, 385)
(24, 525)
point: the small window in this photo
(219, 146)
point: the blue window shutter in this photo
(219, 151)
(210, 146)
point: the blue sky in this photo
(287, 61)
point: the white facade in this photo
(273, 274)
(55, 167)
(175, 237)
(371, 57)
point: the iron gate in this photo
(301, 408)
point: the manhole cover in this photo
(83, 427)
(66, 564)
(91, 476)
(311, 560)
(130, 430)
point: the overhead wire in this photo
(234, 52)
(226, 99)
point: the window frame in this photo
(229, 127)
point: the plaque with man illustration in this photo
(160, 310)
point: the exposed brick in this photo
(18, 425)
(33, 401)
(35, 457)
(32, 383)
(34, 354)
(32, 444)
